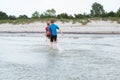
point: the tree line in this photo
(96, 11)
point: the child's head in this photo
(52, 20)
(48, 23)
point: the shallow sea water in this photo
(78, 57)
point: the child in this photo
(47, 33)
(53, 30)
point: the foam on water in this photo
(60, 49)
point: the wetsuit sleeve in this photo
(57, 27)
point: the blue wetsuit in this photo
(53, 29)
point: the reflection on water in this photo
(78, 57)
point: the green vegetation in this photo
(96, 13)
(97, 10)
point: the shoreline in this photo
(9, 32)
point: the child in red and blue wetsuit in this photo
(47, 32)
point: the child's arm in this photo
(61, 32)
(45, 32)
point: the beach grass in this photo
(82, 21)
(22, 21)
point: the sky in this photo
(27, 7)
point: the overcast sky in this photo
(20, 7)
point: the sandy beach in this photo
(67, 27)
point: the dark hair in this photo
(48, 23)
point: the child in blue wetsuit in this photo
(53, 30)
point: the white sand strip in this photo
(92, 27)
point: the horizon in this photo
(17, 8)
